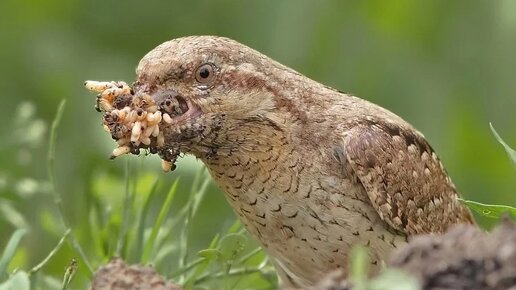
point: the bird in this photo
(311, 171)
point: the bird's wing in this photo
(403, 178)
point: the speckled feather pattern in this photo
(311, 171)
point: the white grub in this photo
(155, 131)
(141, 115)
(110, 94)
(148, 131)
(122, 114)
(155, 118)
(136, 131)
(132, 116)
(123, 141)
(126, 110)
(152, 109)
(98, 87)
(120, 151)
(146, 141)
(166, 118)
(166, 165)
(150, 119)
(148, 99)
(160, 141)
(106, 128)
(105, 105)
(125, 89)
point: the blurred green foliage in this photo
(449, 68)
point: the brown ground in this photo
(464, 258)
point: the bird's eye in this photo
(205, 73)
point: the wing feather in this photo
(404, 178)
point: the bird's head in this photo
(210, 87)
(204, 95)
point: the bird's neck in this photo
(251, 138)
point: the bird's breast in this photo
(306, 217)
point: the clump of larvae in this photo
(133, 121)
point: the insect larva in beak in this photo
(152, 109)
(166, 118)
(166, 165)
(110, 94)
(157, 117)
(132, 116)
(154, 119)
(150, 119)
(121, 115)
(155, 132)
(140, 115)
(120, 151)
(98, 87)
(123, 141)
(160, 141)
(125, 89)
(136, 131)
(148, 131)
(146, 141)
(105, 105)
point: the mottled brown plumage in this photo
(311, 171)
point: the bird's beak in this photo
(176, 109)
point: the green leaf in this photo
(490, 210)
(231, 246)
(394, 279)
(10, 249)
(510, 152)
(210, 254)
(18, 281)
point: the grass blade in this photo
(51, 156)
(126, 212)
(50, 255)
(18, 281)
(490, 210)
(140, 232)
(510, 152)
(193, 205)
(162, 214)
(10, 250)
(51, 177)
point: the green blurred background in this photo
(447, 67)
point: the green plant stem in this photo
(51, 177)
(188, 267)
(235, 273)
(50, 255)
(250, 255)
